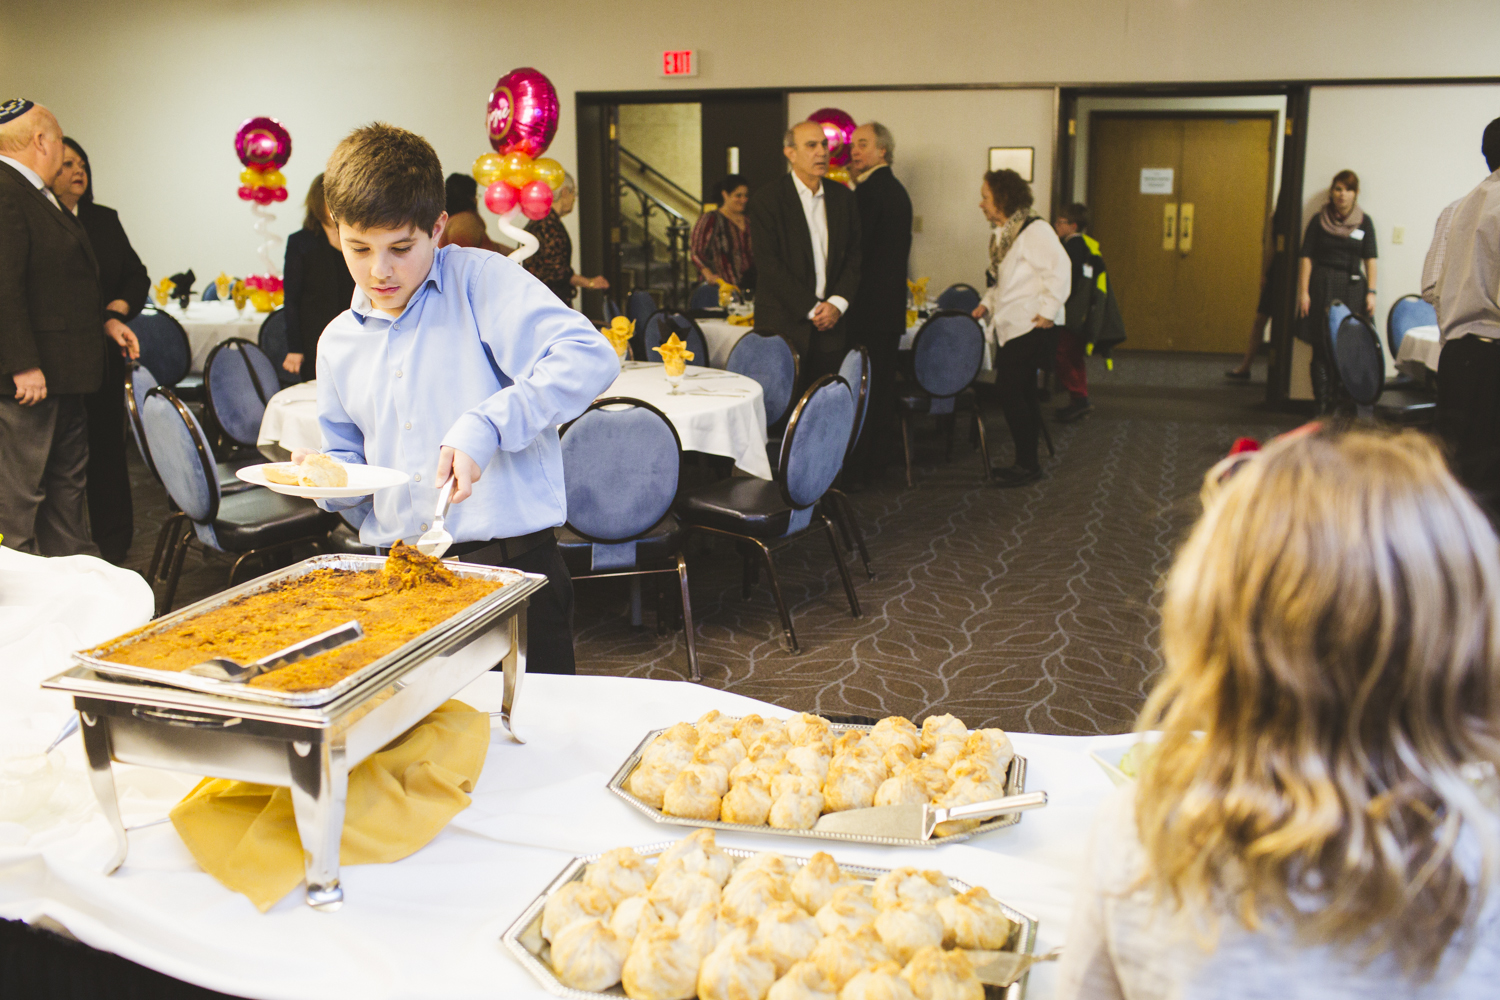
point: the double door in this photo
(1181, 205)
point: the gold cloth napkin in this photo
(399, 799)
(741, 321)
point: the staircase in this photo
(656, 217)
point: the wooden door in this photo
(1184, 248)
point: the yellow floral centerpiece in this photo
(162, 291)
(618, 333)
(727, 292)
(240, 294)
(674, 358)
(222, 285)
(918, 299)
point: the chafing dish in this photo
(1015, 784)
(306, 741)
(523, 938)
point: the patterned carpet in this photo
(1030, 609)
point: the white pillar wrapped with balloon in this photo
(517, 179)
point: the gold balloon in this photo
(549, 170)
(273, 179)
(839, 175)
(517, 170)
(487, 169)
(250, 178)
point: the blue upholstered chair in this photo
(946, 357)
(705, 296)
(239, 380)
(210, 292)
(854, 370)
(771, 360)
(639, 305)
(621, 462)
(769, 515)
(165, 350)
(959, 297)
(272, 340)
(252, 522)
(610, 310)
(138, 382)
(1359, 367)
(1406, 312)
(659, 328)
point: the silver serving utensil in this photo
(916, 820)
(1002, 968)
(436, 540)
(69, 728)
(220, 669)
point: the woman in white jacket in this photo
(1030, 277)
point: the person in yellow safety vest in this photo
(1092, 319)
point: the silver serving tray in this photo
(523, 938)
(1015, 784)
(468, 619)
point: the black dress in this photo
(121, 276)
(316, 287)
(1337, 272)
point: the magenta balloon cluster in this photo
(839, 128)
(523, 112)
(263, 146)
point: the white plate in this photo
(363, 480)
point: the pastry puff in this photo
(883, 982)
(909, 885)
(935, 974)
(662, 965)
(815, 882)
(736, 971)
(975, 920)
(696, 853)
(587, 955)
(694, 794)
(787, 933)
(803, 981)
(620, 873)
(906, 928)
(842, 955)
(850, 908)
(574, 901)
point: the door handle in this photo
(1169, 226)
(1185, 228)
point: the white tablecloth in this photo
(730, 425)
(291, 419)
(1421, 346)
(209, 324)
(722, 335)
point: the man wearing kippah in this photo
(51, 342)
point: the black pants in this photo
(44, 452)
(111, 517)
(881, 437)
(549, 618)
(1468, 415)
(1016, 365)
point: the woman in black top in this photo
(123, 286)
(316, 286)
(553, 260)
(1338, 262)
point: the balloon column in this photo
(263, 146)
(522, 119)
(839, 128)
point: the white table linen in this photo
(722, 335)
(732, 425)
(209, 324)
(1420, 347)
(291, 419)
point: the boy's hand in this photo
(299, 455)
(465, 472)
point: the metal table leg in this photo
(514, 669)
(102, 777)
(320, 784)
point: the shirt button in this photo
(408, 425)
(424, 525)
(398, 373)
(419, 477)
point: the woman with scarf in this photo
(1339, 239)
(1030, 276)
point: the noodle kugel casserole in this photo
(411, 594)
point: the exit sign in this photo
(683, 62)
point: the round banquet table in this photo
(719, 412)
(722, 335)
(1419, 350)
(209, 324)
(291, 421)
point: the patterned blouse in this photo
(720, 246)
(553, 261)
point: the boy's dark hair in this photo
(462, 194)
(384, 177)
(1078, 214)
(1010, 192)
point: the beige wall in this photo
(670, 138)
(154, 90)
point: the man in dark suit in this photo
(51, 322)
(805, 235)
(877, 318)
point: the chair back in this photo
(947, 354)
(610, 310)
(1337, 313)
(855, 369)
(660, 326)
(817, 439)
(164, 346)
(961, 297)
(705, 296)
(210, 292)
(770, 359)
(1406, 312)
(138, 382)
(272, 340)
(621, 462)
(238, 381)
(183, 459)
(639, 305)
(1357, 355)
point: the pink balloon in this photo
(263, 143)
(278, 194)
(839, 128)
(247, 193)
(522, 114)
(262, 196)
(500, 197)
(536, 200)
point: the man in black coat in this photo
(877, 319)
(805, 235)
(51, 322)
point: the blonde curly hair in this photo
(1331, 632)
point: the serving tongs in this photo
(221, 669)
(1003, 968)
(436, 540)
(917, 820)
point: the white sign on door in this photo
(1156, 180)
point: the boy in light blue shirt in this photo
(452, 362)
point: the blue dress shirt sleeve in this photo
(343, 441)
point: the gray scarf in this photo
(1002, 239)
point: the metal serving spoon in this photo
(228, 670)
(436, 540)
